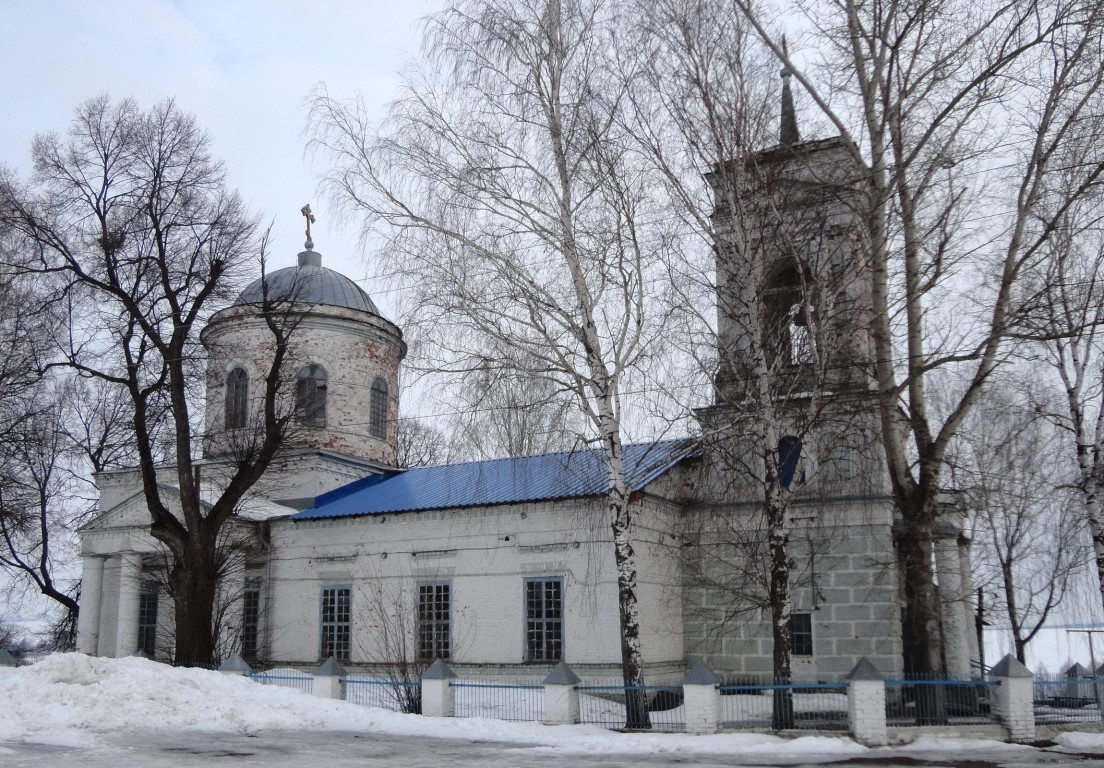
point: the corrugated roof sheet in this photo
(497, 481)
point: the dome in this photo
(310, 283)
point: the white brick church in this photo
(505, 564)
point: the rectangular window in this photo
(251, 620)
(434, 603)
(544, 619)
(336, 626)
(147, 618)
(801, 634)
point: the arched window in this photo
(789, 462)
(310, 396)
(377, 410)
(237, 399)
(786, 317)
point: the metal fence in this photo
(500, 698)
(919, 701)
(372, 691)
(284, 677)
(1061, 699)
(785, 706)
(602, 701)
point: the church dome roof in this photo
(310, 283)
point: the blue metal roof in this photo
(497, 481)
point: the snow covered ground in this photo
(70, 709)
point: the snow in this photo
(71, 699)
(1080, 742)
(80, 702)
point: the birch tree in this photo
(1072, 285)
(974, 127)
(1028, 537)
(130, 218)
(771, 215)
(514, 210)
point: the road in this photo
(345, 750)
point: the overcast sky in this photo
(243, 67)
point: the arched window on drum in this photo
(377, 412)
(310, 396)
(237, 399)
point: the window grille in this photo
(434, 603)
(310, 396)
(544, 619)
(336, 624)
(147, 618)
(237, 399)
(377, 411)
(801, 634)
(251, 620)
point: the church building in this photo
(507, 565)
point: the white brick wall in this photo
(486, 554)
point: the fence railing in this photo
(785, 706)
(284, 677)
(919, 701)
(864, 705)
(1059, 699)
(605, 702)
(518, 699)
(398, 695)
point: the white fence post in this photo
(328, 680)
(866, 704)
(1014, 694)
(561, 696)
(235, 665)
(701, 699)
(438, 696)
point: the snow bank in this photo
(67, 699)
(1081, 742)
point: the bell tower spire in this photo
(787, 126)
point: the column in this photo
(956, 628)
(88, 619)
(130, 578)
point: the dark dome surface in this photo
(310, 283)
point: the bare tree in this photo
(974, 127)
(129, 215)
(1028, 532)
(504, 410)
(772, 216)
(515, 209)
(1071, 282)
(419, 444)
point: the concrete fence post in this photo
(438, 696)
(329, 680)
(235, 665)
(561, 696)
(866, 704)
(1014, 694)
(701, 699)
